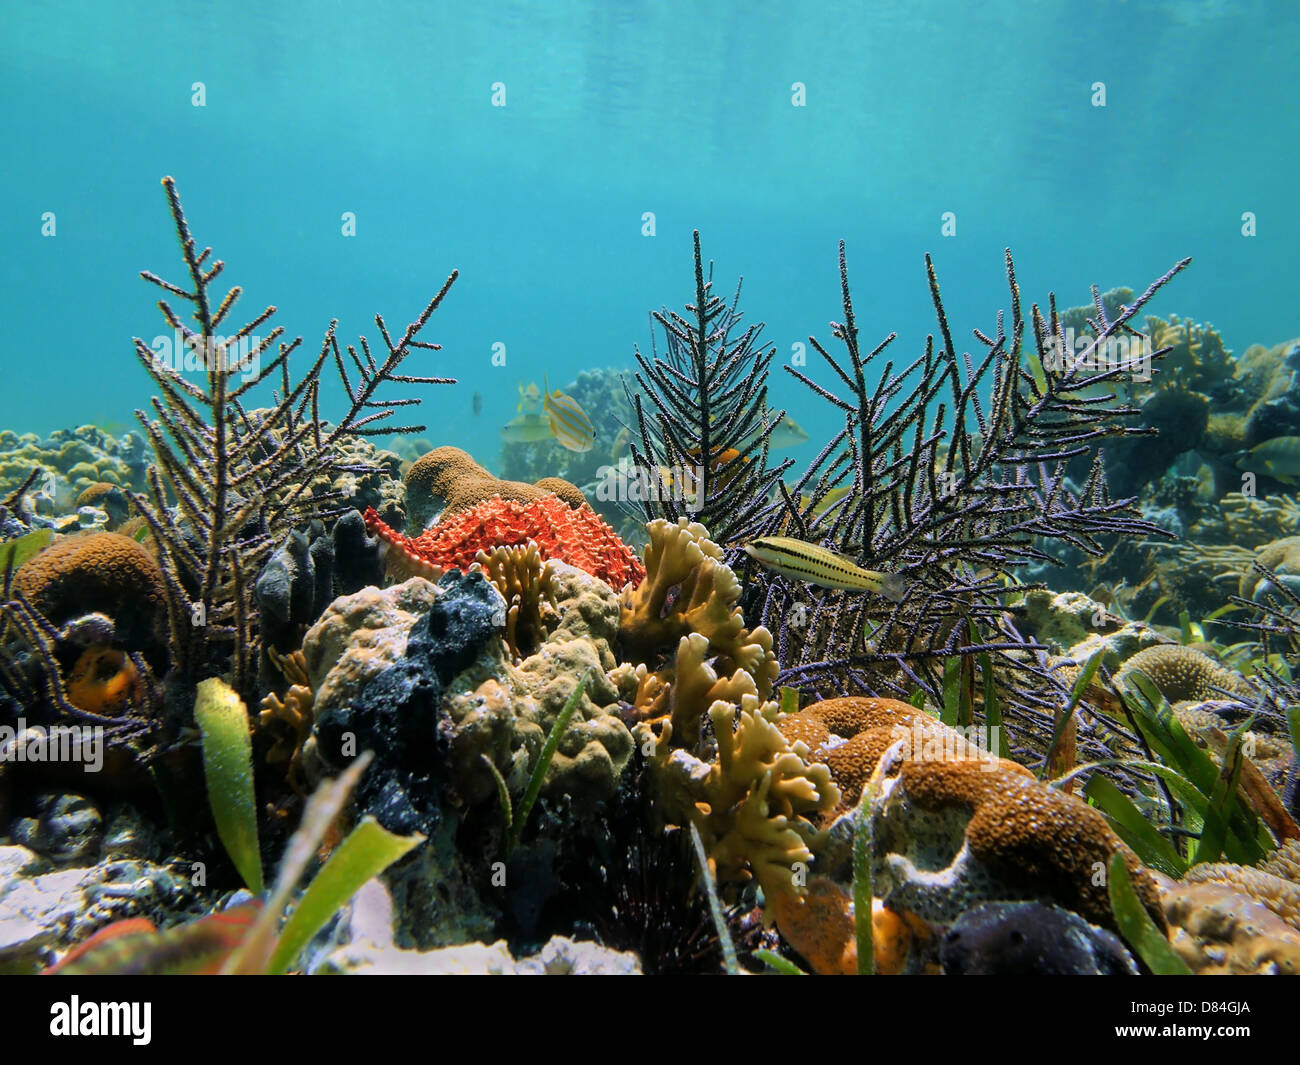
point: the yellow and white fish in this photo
(530, 398)
(569, 422)
(1278, 458)
(827, 501)
(801, 561)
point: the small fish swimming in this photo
(1278, 458)
(476, 404)
(788, 433)
(801, 561)
(569, 422)
(527, 429)
(530, 398)
(621, 443)
(826, 502)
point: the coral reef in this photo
(70, 463)
(851, 734)
(820, 926)
(689, 603)
(1219, 929)
(399, 711)
(527, 584)
(750, 804)
(577, 536)
(503, 711)
(701, 403)
(242, 481)
(948, 490)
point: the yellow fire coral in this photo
(528, 587)
(295, 709)
(751, 803)
(688, 591)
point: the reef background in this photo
(911, 111)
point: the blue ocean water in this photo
(612, 110)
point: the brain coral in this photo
(105, 573)
(1183, 673)
(577, 536)
(447, 481)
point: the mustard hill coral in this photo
(501, 710)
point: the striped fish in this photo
(802, 561)
(569, 422)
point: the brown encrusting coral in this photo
(951, 834)
(690, 592)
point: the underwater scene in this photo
(620, 488)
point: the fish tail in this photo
(893, 587)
